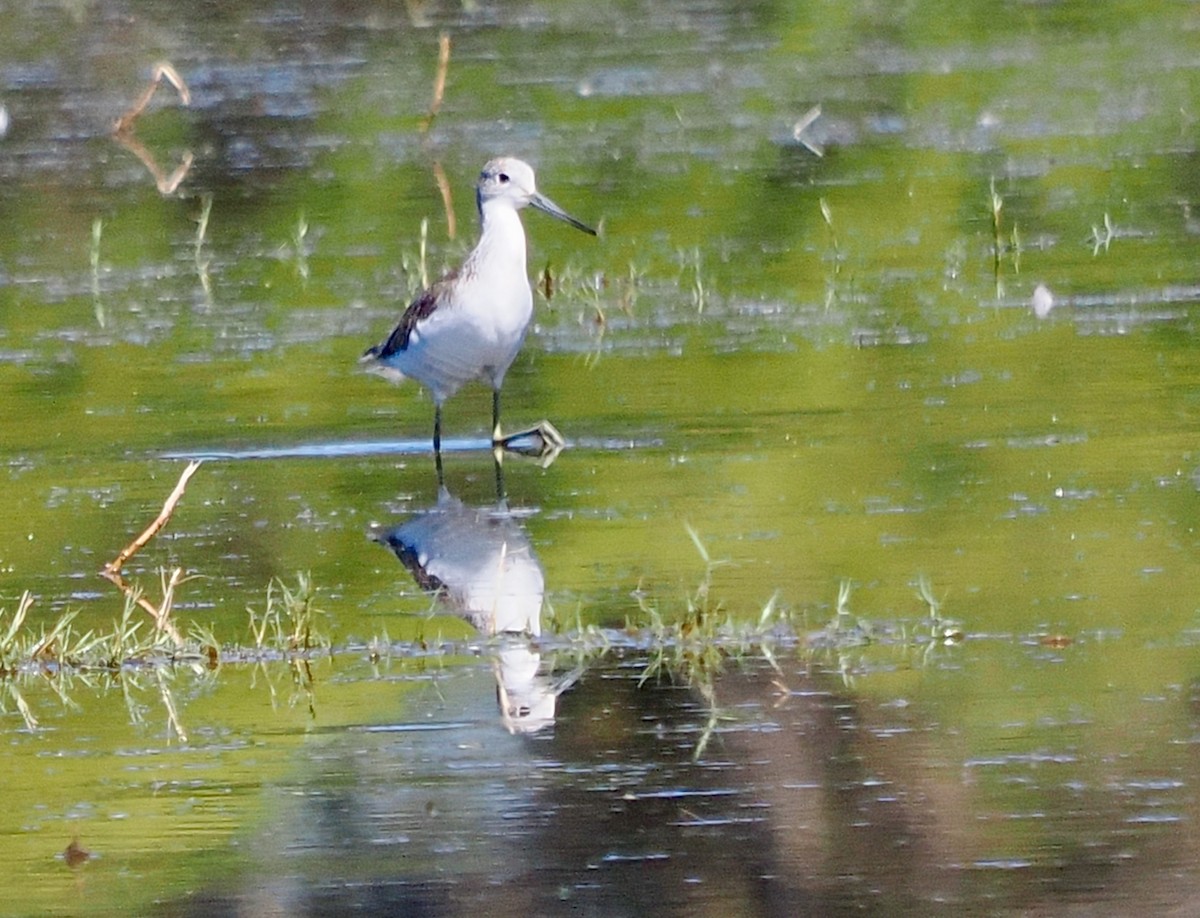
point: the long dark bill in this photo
(546, 206)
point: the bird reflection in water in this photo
(479, 564)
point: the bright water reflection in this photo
(831, 368)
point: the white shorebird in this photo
(471, 323)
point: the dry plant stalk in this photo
(439, 80)
(439, 93)
(114, 566)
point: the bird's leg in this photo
(437, 442)
(497, 437)
(501, 493)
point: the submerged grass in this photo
(692, 645)
(688, 642)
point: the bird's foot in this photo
(542, 442)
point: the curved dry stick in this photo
(112, 570)
(122, 130)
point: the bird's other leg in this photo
(437, 442)
(543, 441)
(497, 436)
(501, 493)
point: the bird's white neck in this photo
(501, 244)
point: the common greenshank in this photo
(471, 323)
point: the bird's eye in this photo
(503, 176)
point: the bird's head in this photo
(510, 180)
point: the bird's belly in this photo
(459, 345)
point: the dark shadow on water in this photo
(808, 801)
(610, 814)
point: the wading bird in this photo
(471, 323)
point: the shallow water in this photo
(828, 369)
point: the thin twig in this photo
(112, 570)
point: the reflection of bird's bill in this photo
(527, 698)
(546, 206)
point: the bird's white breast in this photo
(481, 316)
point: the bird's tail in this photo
(372, 364)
